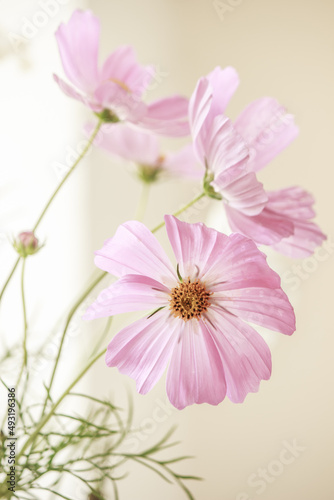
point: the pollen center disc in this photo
(189, 300)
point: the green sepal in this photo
(208, 188)
(148, 173)
(107, 116)
(178, 273)
(154, 312)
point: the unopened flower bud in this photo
(26, 244)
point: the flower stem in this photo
(47, 417)
(9, 277)
(68, 321)
(178, 212)
(141, 208)
(60, 185)
(25, 326)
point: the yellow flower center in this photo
(121, 84)
(189, 300)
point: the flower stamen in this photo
(120, 84)
(189, 300)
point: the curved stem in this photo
(25, 325)
(178, 212)
(142, 204)
(68, 321)
(47, 417)
(9, 277)
(54, 194)
(75, 164)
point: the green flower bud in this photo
(26, 244)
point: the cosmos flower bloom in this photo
(232, 155)
(197, 311)
(144, 150)
(114, 91)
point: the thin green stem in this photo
(24, 308)
(178, 212)
(25, 326)
(103, 335)
(68, 321)
(60, 185)
(9, 277)
(143, 200)
(47, 417)
(75, 164)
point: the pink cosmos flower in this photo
(279, 218)
(144, 150)
(197, 324)
(114, 91)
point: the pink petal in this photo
(78, 43)
(293, 201)
(207, 102)
(297, 206)
(195, 246)
(195, 373)
(224, 83)
(142, 349)
(240, 264)
(222, 262)
(124, 104)
(306, 238)
(224, 147)
(129, 293)
(241, 190)
(131, 144)
(245, 356)
(184, 163)
(122, 66)
(199, 107)
(267, 129)
(262, 306)
(283, 223)
(266, 228)
(71, 92)
(167, 116)
(134, 250)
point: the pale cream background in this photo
(282, 49)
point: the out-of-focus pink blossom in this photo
(144, 149)
(115, 91)
(198, 308)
